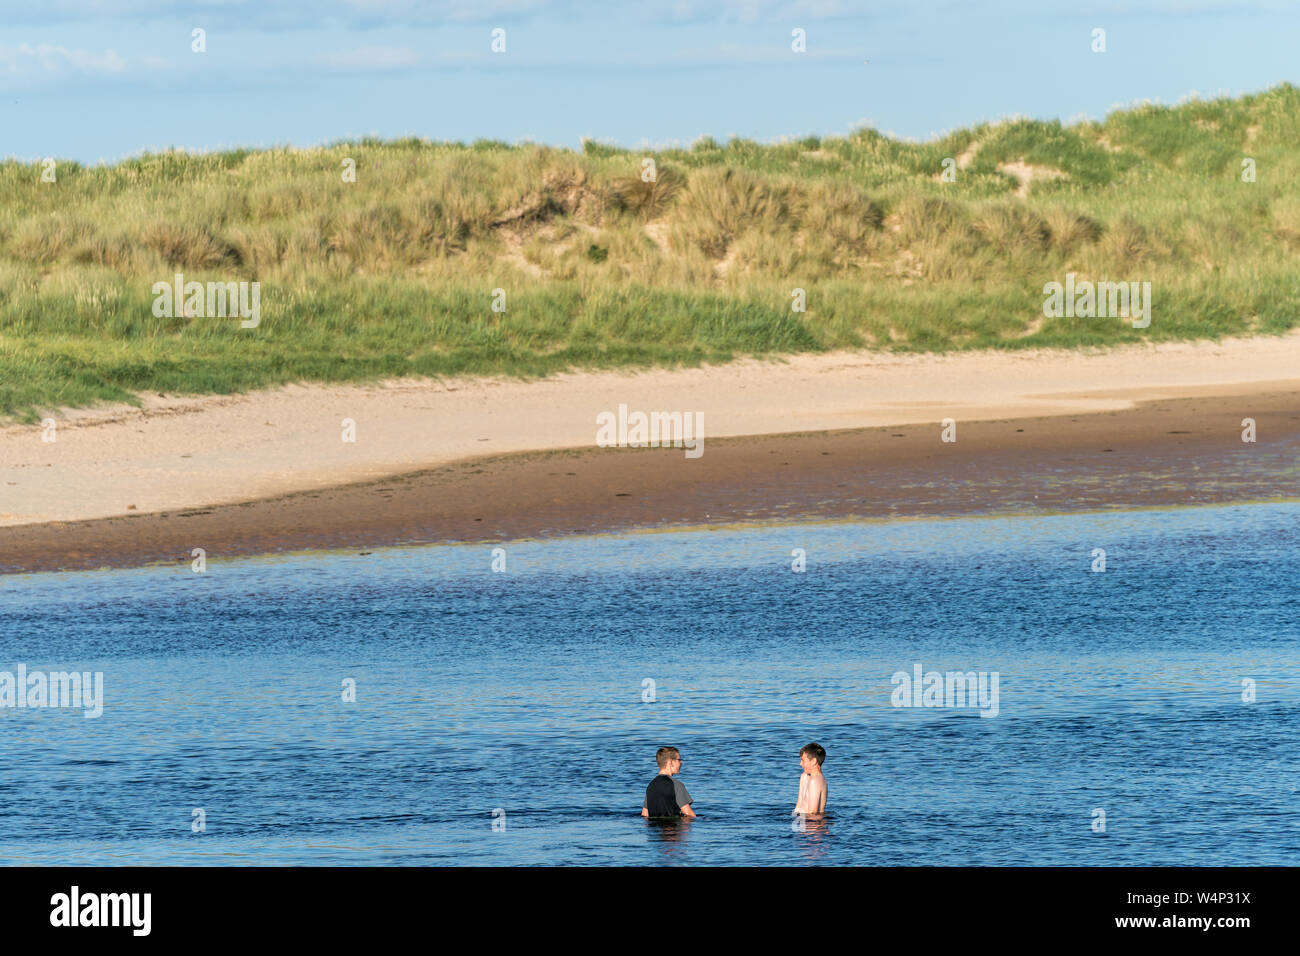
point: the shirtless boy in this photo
(812, 785)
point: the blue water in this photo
(522, 692)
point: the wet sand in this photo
(1171, 451)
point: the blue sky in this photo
(95, 80)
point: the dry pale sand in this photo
(176, 453)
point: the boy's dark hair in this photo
(816, 751)
(664, 754)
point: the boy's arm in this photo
(645, 812)
(684, 800)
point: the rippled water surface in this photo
(523, 691)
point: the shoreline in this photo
(667, 529)
(1162, 452)
(178, 453)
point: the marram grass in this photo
(394, 274)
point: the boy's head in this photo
(669, 760)
(811, 757)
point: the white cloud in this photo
(29, 66)
(48, 59)
(442, 10)
(736, 54)
(373, 58)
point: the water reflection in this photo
(670, 836)
(813, 830)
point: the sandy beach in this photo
(815, 436)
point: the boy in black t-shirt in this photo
(666, 797)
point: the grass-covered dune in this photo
(393, 274)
